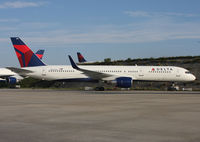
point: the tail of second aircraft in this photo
(40, 53)
(81, 59)
(24, 54)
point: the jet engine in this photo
(11, 80)
(124, 82)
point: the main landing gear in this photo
(99, 88)
(173, 87)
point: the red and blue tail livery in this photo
(40, 53)
(81, 59)
(24, 54)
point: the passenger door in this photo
(178, 75)
(141, 74)
(44, 73)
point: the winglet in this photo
(73, 63)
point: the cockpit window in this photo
(187, 72)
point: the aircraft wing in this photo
(94, 74)
(19, 71)
(5, 76)
(89, 73)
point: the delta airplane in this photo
(122, 76)
(12, 77)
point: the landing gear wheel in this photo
(99, 89)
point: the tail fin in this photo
(81, 59)
(24, 54)
(40, 53)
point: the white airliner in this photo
(9, 76)
(123, 76)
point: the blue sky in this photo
(118, 29)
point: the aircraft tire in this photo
(99, 89)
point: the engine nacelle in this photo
(11, 80)
(124, 82)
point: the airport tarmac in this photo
(31, 115)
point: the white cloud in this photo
(135, 33)
(8, 20)
(159, 14)
(20, 4)
(152, 30)
(138, 13)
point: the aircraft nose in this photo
(193, 77)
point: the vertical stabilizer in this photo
(81, 59)
(24, 54)
(40, 53)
